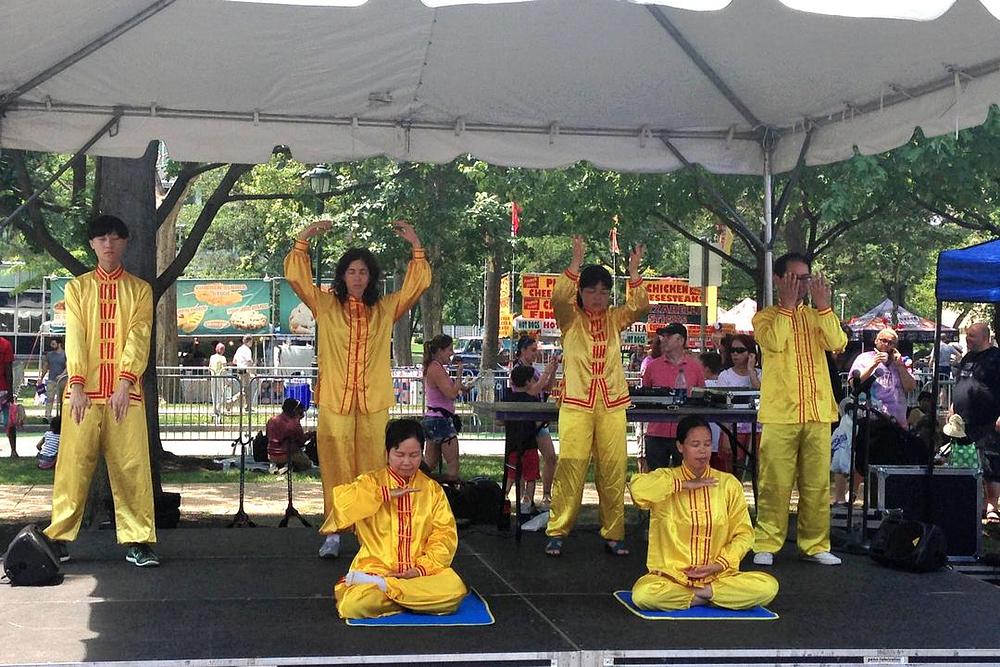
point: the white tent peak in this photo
(630, 87)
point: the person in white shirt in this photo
(217, 367)
(243, 360)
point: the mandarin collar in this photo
(114, 275)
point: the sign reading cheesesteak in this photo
(536, 295)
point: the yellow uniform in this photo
(691, 528)
(109, 318)
(415, 530)
(354, 387)
(797, 407)
(593, 398)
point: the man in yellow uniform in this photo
(353, 336)
(109, 317)
(797, 406)
(407, 535)
(699, 531)
(593, 396)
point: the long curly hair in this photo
(371, 294)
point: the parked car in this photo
(469, 350)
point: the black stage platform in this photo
(259, 596)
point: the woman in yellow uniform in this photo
(407, 535)
(699, 531)
(354, 332)
(594, 396)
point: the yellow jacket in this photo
(694, 527)
(591, 343)
(352, 339)
(415, 530)
(109, 319)
(795, 383)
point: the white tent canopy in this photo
(540, 83)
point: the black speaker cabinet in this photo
(956, 502)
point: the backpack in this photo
(259, 447)
(475, 501)
(909, 545)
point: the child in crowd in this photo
(48, 446)
(521, 441)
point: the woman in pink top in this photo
(440, 392)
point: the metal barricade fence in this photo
(196, 405)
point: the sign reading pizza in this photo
(536, 295)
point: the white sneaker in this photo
(823, 558)
(763, 558)
(331, 547)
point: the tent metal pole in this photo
(768, 268)
(80, 54)
(935, 385)
(66, 165)
(703, 65)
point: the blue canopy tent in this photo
(970, 275)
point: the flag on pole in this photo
(515, 217)
(614, 236)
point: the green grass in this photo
(188, 470)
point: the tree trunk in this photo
(166, 307)
(491, 323)
(401, 353)
(432, 300)
(127, 190)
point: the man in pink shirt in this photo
(661, 437)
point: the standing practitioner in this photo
(354, 387)
(109, 318)
(594, 396)
(797, 406)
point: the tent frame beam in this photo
(110, 127)
(12, 95)
(703, 65)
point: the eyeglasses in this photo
(737, 350)
(804, 277)
(887, 341)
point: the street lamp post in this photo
(843, 301)
(320, 182)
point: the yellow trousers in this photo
(600, 434)
(125, 446)
(789, 452)
(737, 590)
(439, 593)
(348, 445)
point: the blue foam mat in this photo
(472, 611)
(703, 613)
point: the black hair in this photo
(523, 343)
(520, 376)
(106, 224)
(712, 361)
(55, 424)
(781, 264)
(690, 422)
(924, 394)
(370, 296)
(290, 407)
(592, 275)
(399, 430)
(435, 345)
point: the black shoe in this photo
(142, 555)
(62, 553)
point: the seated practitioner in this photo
(699, 532)
(48, 446)
(522, 440)
(407, 535)
(285, 434)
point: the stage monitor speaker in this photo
(957, 500)
(30, 559)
